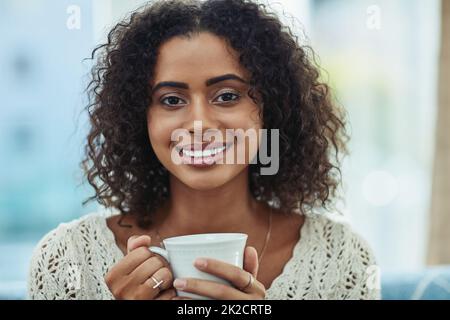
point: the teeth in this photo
(206, 153)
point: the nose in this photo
(201, 113)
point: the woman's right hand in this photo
(131, 277)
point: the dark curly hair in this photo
(120, 163)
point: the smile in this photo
(205, 153)
(203, 158)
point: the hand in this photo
(131, 277)
(235, 275)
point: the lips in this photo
(201, 146)
(203, 155)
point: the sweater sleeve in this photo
(70, 262)
(53, 272)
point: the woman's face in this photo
(218, 105)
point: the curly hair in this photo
(120, 163)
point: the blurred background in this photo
(387, 61)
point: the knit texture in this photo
(330, 261)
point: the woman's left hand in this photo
(240, 278)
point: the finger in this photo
(144, 293)
(163, 276)
(138, 241)
(131, 261)
(148, 290)
(235, 275)
(167, 295)
(251, 260)
(163, 260)
(212, 289)
(146, 269)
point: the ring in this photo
(157, 283)
(250, 282)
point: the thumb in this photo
(251, 260)
(138, 241)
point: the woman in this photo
(225, 65)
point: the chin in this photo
(212, 178)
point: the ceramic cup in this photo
(181, 252)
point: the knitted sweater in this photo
(330, 261)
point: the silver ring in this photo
(157, 283)
(250, 282)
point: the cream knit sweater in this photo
(330, 261)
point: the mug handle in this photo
(163, 253)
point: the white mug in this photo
(182, 251)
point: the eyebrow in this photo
(209, 82)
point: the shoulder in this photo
(346, 254)
(337, 230)
(67, 234)
(60, 257)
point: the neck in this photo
(223, 209)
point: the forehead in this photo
(199, 57)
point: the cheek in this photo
(152, 130)
(250, 122)
(159, 131)
(255, 122)
(255, 117)
(248, 117)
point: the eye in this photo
(174, 101)
(171, 101)
(228, 97)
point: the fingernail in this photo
(200, 263)
(179, 283)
